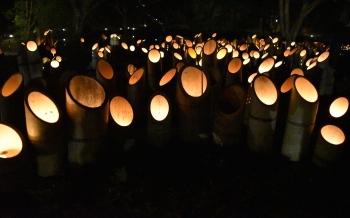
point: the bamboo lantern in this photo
(262, 115)
(301, 119)
(329, 147)
(234, 72)
(105, 75)
(228, 57)
(121, 127)
(94, 55)
(11, 102)
(327, 79)
(154, 69)
(168, 84)
(338, 112)
(302, 59)
(248, 99)
(291, 58)
(209, 54)
(87, 111)
(176, 58)
(216, 85)
(193, 104)
(228, 116)
(314, 75)
(34, 60)
(159, 130)
(136, 94)
(190, 56)
(45, 132)
(267, 67)
(221, 59)
(22, 61)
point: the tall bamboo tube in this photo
(22, 61)
(136, 94)
(262, 115)
(209, 54)
(167, 84)
(267, 67)
(301, 119)
(45, 132)
(87, 111)
(105, 75)
(94, 55)
(154, 69)
(34, 59)
(190, 56)
(233, 74)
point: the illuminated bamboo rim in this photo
(293, 51)
(251, 77)
(297, 71)
(43, 107)
(53, 51)
(125, 46)
(46, 32)
(262, 42)
(55, 64)
(161, 54)
(235, 54)
(121, 111)
(179, 65)
(323, 56)
(105, 69)
(308, 62)
(251, 53)
(192, 53)
(138, 41)
(157, 47)
(32, 46)
(303, 53)
(45, 60)
(229, 48)
(278, 64)
(306, 90)
(292, 43)
(243, 47)
(213, 35)
(159, 107)
(144, 50)
(339, 107)
(58, 58)
(154, 55)
(266, 65)
(198, 50)
(11, 143)
(189, 43)
(234, 65)
(151, 47)
(288, 84)
(194, 81)
(267, 46)
(100, 54)
(333, 135)
(12, 84)
(136, 76)
(264, 55)
(169, 38)
(274, 40)
(101, 49)
(265, 90)
(286, 53)
(221, 54)
(87, 91)
(95, 46)
(167, 77)
(132, 48)
(176, 46)
(312, 65)
(131, 69)
(246, 61)
(256, 55)
(209, 47)
(245, 55)
(177, 56)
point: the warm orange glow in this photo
(159, 107)
(154, 55)
(229, 48)
(144, 50)
(243, 47)
(235, 54)
(95, 46)
(266, 47)
(278, 64)
(136, 76)
(125, 46)
(245, 55)
(131, 69)
(266, 65)
(55, 64)
(339, 107)
(293, 51)
(12, 84)
(108, 49)
(323, 56)
(167, 77)
(312, 65)
(157, 47)
(198, 50)
(306, 90)
(264, 55)
(297, 71)
(246, 61)
(100, 54)
(132, 48)
(333, 134)
(275, 40)
(58, 58)
(288, 84)
(192, 53)
(161, 54)
(265, 90)
(256, 55)
(189, 43)
(177, 56)
(235, 65)
(151, 47)
(209, 47)
(10, 142)
(32, 46)
(221, 54)
(121, 111)
(286, 53)
(82, 40)
(87, 91)
(179, 65)
(43, 107)
(168, 38)
(176, 46)
(303, 53)
(251, 77)
(194, 81)
(105, 69)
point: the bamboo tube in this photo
(221, 59)
(267, 67)
(154, 69)
(190, 56)
(45, 132)
(167, 84)
(87, 111)
(234, 72)
(209, 54)
(228, 116)
(22, 61)
(105, 75)
(262, 115)
(159, 131)
(94, 55)
(301, 119)
(34, 60)
(329, 147)
(136, 94)
(193, 104)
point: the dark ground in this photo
(182, 180)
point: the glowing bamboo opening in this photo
(125, 46)
(229, 48)
(288, 84)
(256, 55)
(266, 65)
(235, 65)
(323, 56)
(91, 95)
(251, 77)
(286, 53)
(303, 53)
(168, 38)
(136, 76)
(43, 107)
(198, 50)
(265, 90)
(167, 77)
(94, 47)
(278, 64)
(121, 111)
(11, 85)
(132, 48)
(221, 54)
(243, 47)
(209, 47)
(58, 58)
(177, 56)
(189, 44)
(339, 107)
(131, 69)
(10, 142)
(32, 46)
(297, 71)
(192, 53)
(54, 64)
(194, 81)
(154, 55)
(306, 90)
(159, 107)
(235, 54)
(144, 50)
(105, 69)
(333, 134)
(246, 61)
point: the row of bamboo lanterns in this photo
(208, 92)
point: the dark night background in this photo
(183, 180)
